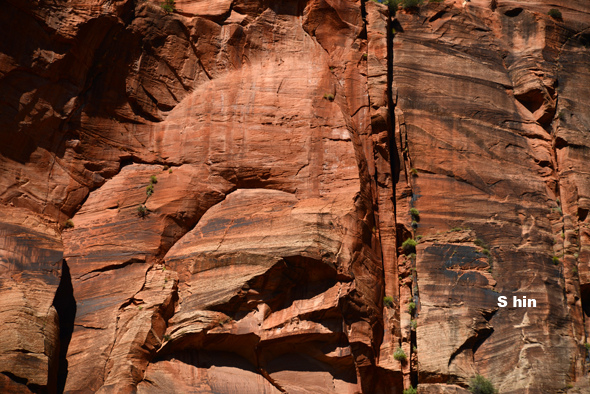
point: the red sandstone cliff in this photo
(214, 200)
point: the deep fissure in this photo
(65, 305)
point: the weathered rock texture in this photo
(214, 200)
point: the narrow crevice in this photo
(65, 305)
(273, 382)
(111, 267)
(393, 148)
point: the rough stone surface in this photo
(30, 261)
(214, 199)
(481, 106)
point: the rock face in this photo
(218, 198)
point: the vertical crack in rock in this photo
(65, 305)
(570, 249)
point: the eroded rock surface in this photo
(239, 176)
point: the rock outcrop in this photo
(218, 196)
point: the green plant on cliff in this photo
(415, 213)
(409, 246)
(149, 190)
(169, 6)
(406, 4)
(555, 260)
(411, 390)
(388, 301)
(400, 355)
(554, 13)
(69, 223)
(142, 211)
(481, 385)
(411, 307)
(153, 179)
(329, 96)
(481, 243)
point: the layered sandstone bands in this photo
(285, 143)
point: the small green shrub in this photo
(409, 245)
(455, 229)
(364, 56)
(411, 307)
(69, 223)
(480, 243)
(406, 4)
(153, 179)
(142, 211)
(165, 168)
(554, 13)
(149, 190)
(414, 171)
(480, 385)
(587, 345)
(388, 301)
(414, 224)
(412, 256)
(411, 390)
(140, 307)
(166, 338)
(418, 237)
(169, 6)
(415, 213)
(170, 171)
(413, 324)
(400, 355)
(555, 260)
(329, 96)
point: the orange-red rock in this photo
(239, 177)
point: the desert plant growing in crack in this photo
(142, 211)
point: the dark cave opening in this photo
(65, 305)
